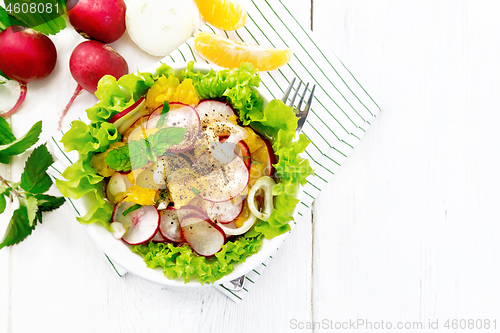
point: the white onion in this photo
(267, 184)
(159, 26)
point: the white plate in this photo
(120, 253)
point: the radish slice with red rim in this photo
(169, 225)
(218, 183)
(140, 225)
(225, 212)
(126, 110)
(125, 119)
(241, 149)
(179, 115)
(214, 131)
(202, 206)
(211, 111)
(158, 238)
(205, 237)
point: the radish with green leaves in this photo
(27, 56)
(89, 62)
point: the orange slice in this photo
(228, 53)
(170, 90)
(225, 14)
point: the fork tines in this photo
(292, 100)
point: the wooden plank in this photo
(408, 228)
(5, 260)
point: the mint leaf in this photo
(32, 208)
(20, 145)
(3, 203)
(35, 179)
(118, 159)
(6, 135)
(18, 229)
(131, 209)
(140, 153)
(47, 203)
(166, 138)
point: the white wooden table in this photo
(406, 232)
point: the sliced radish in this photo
(158, 238)
(126, 111)
(169, 225)
(199, 204)
(272, 158)
(240, 149)
(215, 130)
(225, 212)
(218, 183)
(130, 115)
(179, 115)
(211, 111)
(204, 237)
(140, 225)
(190, 210)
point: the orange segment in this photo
(228, 53)
(225, 14)
(163, 90)
(170, 90)
(139, 195)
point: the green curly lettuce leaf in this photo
(237, 85)
(182, 262)
(116, 95)
(82, 180)
(93, 138)
(279, 122)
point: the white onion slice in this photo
(266, 184)
(231, 230)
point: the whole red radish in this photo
(26, 56)
(98, 19)
(89, 62)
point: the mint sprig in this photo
(29, 191)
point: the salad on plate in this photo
(192, 170)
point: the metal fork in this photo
(237, 284)
(301, 113)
